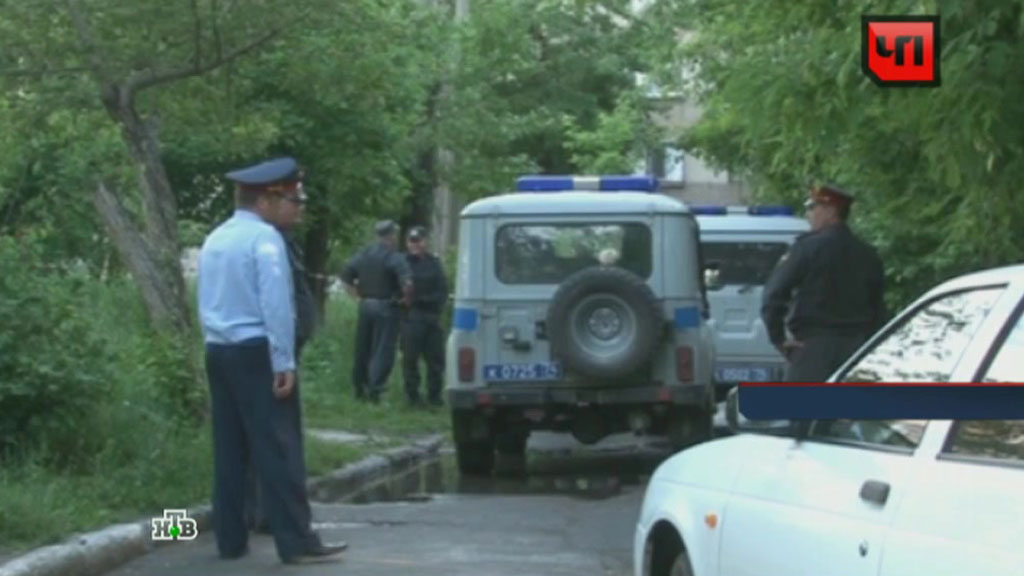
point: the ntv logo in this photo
(901, 50)
(175, 525)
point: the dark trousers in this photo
(255, 505)
(422, 336)
(250, 424)
(821, 355)
(376, 340)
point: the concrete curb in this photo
(98, 552)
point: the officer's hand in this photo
(284, 382)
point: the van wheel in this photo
(475, 458)
(688, 427)
(604, 323)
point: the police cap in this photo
(828, 194)
(386, 228)
(266, 174)
(417, 233)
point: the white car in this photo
(852, 498)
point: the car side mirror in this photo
(738, 423)
(712, 280)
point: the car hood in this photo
(716, 464)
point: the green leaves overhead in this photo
(786, 103)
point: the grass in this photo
(329, 400)
(142, 459)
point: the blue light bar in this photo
(592, 183)
(771, 211)
(709, 210)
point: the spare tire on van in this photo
(604, 323)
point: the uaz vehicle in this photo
(579, 307)
(741, 246)
(863, 497)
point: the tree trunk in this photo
(152, 254)
(137, 255)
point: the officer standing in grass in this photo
(247, 313)
(840, 288)
(380, 278)
(422, 334)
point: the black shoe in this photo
(415, 402)
(437, 402)
(318, 553)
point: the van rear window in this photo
(548, 254)
(744, 263)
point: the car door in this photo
(965, 512)
(824, 505)
(819, 506)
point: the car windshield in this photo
(548, 254)
(743, 263)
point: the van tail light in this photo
(684, 364)
(467, 364)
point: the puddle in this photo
(595, 476)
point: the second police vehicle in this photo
(741, 246)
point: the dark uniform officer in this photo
(840, 288)
(289, 214)
(246, 307)
(422, 334)
(380, 277)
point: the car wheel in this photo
(475, 458)
(604, 323)
(681, 565)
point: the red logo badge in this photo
(901, 50)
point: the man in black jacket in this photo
(422, 334)
(379, 277)
(840, 288)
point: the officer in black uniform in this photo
(290, 212)
(840, 287)
(380, 277)
(422, 334)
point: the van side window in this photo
(743, 263)
(926, 346)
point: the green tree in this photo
(531, 77)
(786, 104)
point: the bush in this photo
(54, 368)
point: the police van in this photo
(741, 246)
(579, 307)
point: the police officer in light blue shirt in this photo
(246, 308)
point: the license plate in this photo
(744, 374)
(523, 372)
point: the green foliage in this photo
(620, 139)
(530, 82)
(786, 104)
(54, 369)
